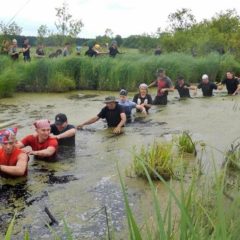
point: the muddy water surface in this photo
(84, 180)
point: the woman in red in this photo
(13, 161)
(43, 146)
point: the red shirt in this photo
(32, 141)
(9, 159)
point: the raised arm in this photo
(19, 169)
(69, 133)
(88, 122)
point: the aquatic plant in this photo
(158, 156)
(198, 210)
(185, 143)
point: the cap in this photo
(110, 99)
(8, 135)
(123, 92)
(204, 76)
(60, 119)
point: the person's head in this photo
(26, 41)
(67, 45)
(14, 42)
(229, 75)
(180, 80)
(110, 102)
(42, 128)
(8, 139)
(205, 78)
(143, 88)
(61, 121)
(161, 73)
(114, 44)
(123, 95)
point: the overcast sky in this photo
(124, 17)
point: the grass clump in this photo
(185, 143)
(158, 156)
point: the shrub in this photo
(185, 143)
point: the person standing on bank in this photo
(13, 50)
(232, 83)
(26, 50)
(164, 85)
(183, 88)
(62, 131)
(13, 161)
(112, 112)
(207, 86)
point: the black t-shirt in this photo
(231, 84)
(112, 115)
(182, 90)
(138, 99)
(113, 51)
(90, 52)
(27, 53)
(70, 141)
(207, 89)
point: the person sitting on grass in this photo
(62, 131)
(183, 88)
(113, 50)
(164, 85)
(143, 99)
(207, 86)
(40, 51)
(128, 105)
(232, 83)
(13, 161)
(112, 112)
(43, 145)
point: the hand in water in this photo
(79, 127)
(117, 130)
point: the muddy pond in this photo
(84, 181)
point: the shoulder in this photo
(52, 142)
(70, 126)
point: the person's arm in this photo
(25, 49)
(121, 123)
(19, 169)
(88, 122)
(69, 133)
(237, 90)
(152, 84)
(48, 152)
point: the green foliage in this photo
(10, 229)
(8, 83)
(158, 156)
(185, 143)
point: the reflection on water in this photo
(83, 180)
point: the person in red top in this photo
(43, 146)
(13, 161)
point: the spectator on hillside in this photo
(26, 50)
(13, 50)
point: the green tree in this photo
(11, 29)
(67, 27)
(181, 20)
(43, 32)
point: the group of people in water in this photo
(48, 138)
(14, 52)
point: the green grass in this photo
(185, 143)
(158, 156)
(104, 73)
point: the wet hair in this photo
(180, 78)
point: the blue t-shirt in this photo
(127, 106)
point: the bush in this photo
(185, 143)
(8, 83)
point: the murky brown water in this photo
(85, 179)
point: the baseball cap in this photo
(123, 92)
(60, 119)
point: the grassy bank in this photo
(104, 73)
